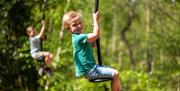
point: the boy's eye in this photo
(74, 25)
(80, 22)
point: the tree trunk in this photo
(61, 33)
(114, 29)
(125, 40)
(148, 50)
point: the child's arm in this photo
(96, 30)
(40, 35)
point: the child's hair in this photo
(29, 29)
(69, 17)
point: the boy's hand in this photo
(42, 34)
(43, 22)
(96, 16)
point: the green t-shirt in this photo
(83, 54)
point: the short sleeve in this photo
(82, 38)
(37, 37)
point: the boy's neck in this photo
(32, 35)
(76, 33)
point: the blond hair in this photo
(69, 17)
(29, 29)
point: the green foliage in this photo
(140, 81)
(156, 30)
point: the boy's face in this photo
(76, 26)
(32, 32)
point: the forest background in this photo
(139, 38)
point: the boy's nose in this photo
(79, 26)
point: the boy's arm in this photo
(96, 30)
(42, 29)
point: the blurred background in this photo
(139, 38)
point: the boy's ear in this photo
(27, 32)
(67, 28)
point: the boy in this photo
(35, 46)
(83, 56)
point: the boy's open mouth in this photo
(79, 29)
